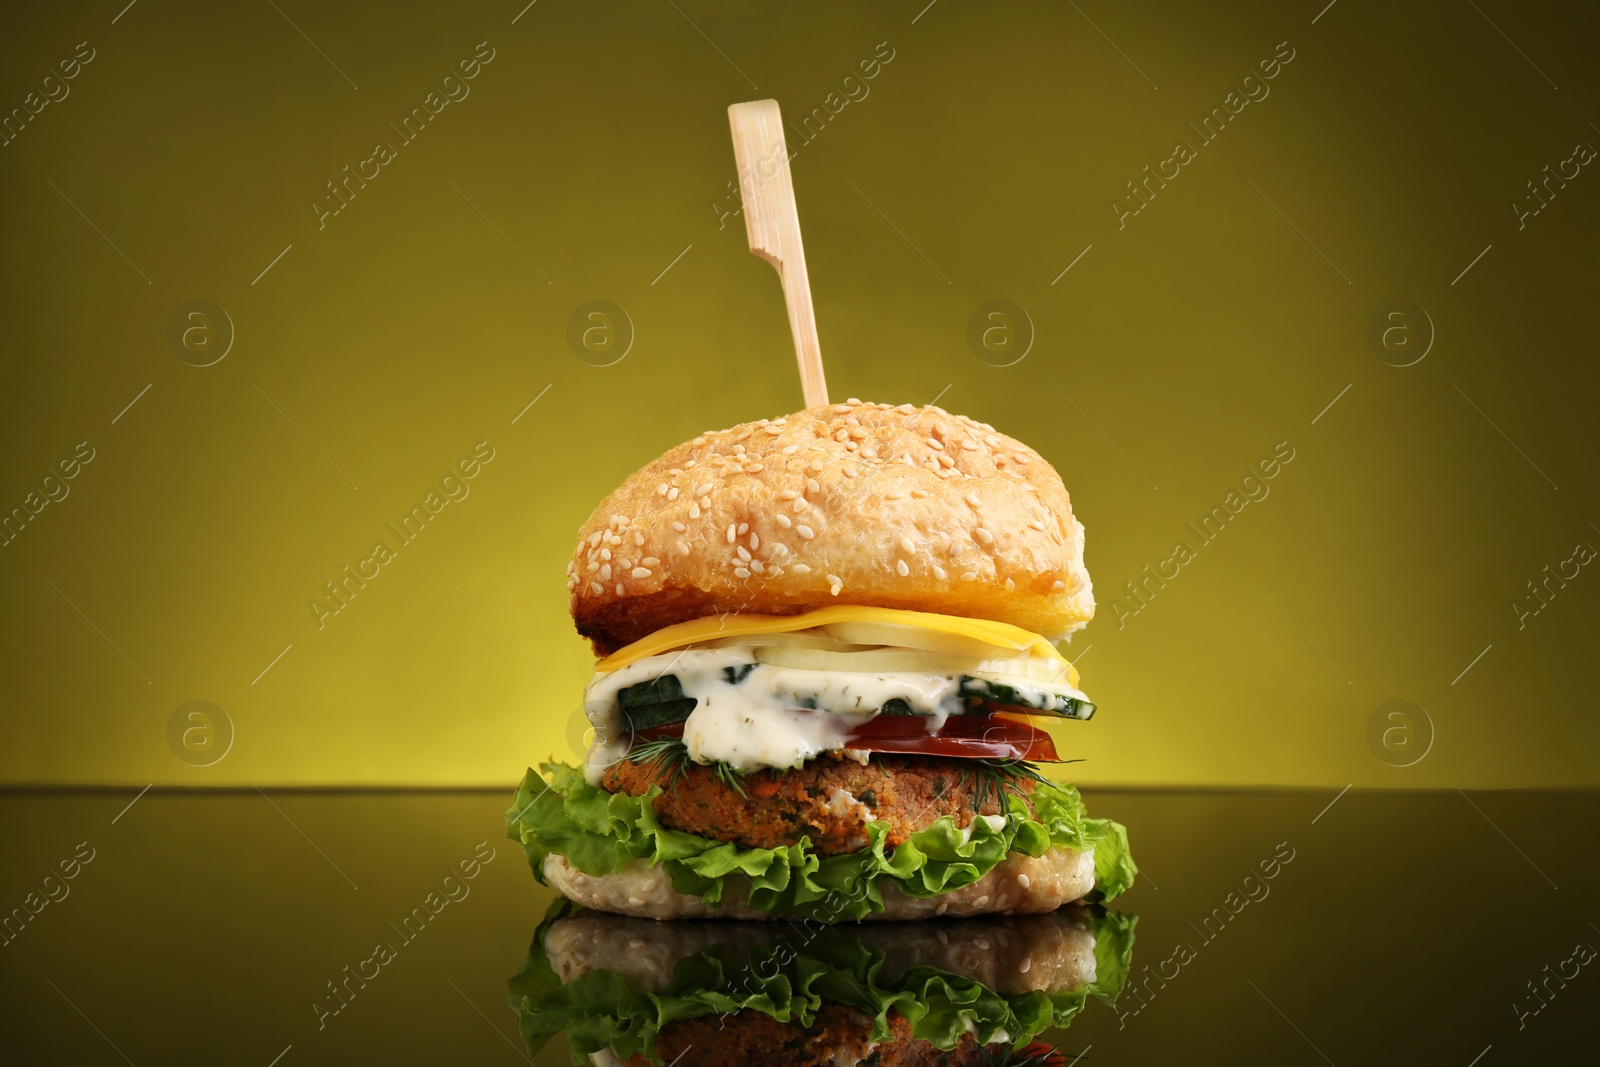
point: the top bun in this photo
(892, 507)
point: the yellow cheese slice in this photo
(711, 627)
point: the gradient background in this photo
(591, 156)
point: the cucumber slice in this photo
(1025, 695)
(644, 716)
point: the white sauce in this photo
(766, 717)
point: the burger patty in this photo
(829, 800)
(838, 1034)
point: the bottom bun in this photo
(1019, 885)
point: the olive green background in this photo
(591, 160)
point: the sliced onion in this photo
(870, 661)
(884, 633)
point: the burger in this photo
(981, 991)
(827, 645)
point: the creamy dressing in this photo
(752, 715)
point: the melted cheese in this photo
(712, 627)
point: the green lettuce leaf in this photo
(600, 833)
(789, 981)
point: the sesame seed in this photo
(694, 510)
(969, 445)
(638, 538)
(705, 501)
(640, 572)
(680, 527)
(896, 495)
(661, 490)
(942, 908)
(741, 572)
(981, 901)
(744, 528)
(650, 561)
(755, 468)
(799, 505)
(755, 542)
(801, 568)
(849, 472)
(637, 902)
(733, 531)
(594, 538)
(672, 494)
(738, 450)
(805, 531)
(1010, 585)
(785, 521)
(593, 566)
(858, 435)
(597, 588)
(605, 573)
(900, 565)
(1057, 586)
(1028, 487)
(788, 494)
(744, 553)
(945, 461)
(970, 576)
(774, 430)
(972, 500)
(619, 589)
(1020, 458)
(813, 486)
(852, 400)
(757, 566)
(790, 450)
(918, 493)
(982, 533)
(933, 443)
(605, 553)
(939, 572)
(1022, 880)
(1036, 525)
(682, 547)
(833, 589)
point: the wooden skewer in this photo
(772, 223)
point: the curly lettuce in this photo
(789, 981)
(600, 833)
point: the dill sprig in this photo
(1035, 1055)
(668, 758)
(997, 779)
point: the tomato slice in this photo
(962, 736)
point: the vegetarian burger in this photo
(826, 643)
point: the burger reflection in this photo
(975, 991)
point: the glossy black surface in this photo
(1399, 928)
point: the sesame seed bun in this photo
(1018, 885)
(893, 507)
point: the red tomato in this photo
(989, 736)
(971, 736)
